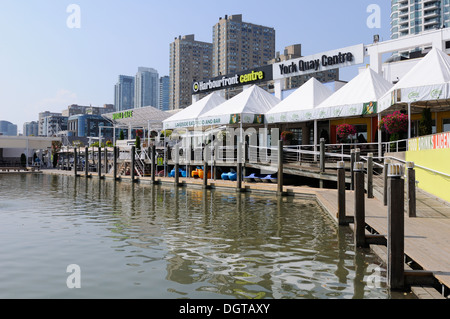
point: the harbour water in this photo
(153, 242)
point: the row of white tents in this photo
(367, 94)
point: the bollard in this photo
(322, 155)
(411, 190)
(357, 155)
(370, 175)
(133, 163)
(352, 165)
(385, 181)
(360, 218)
(396, 228)
(280, 168)
(341, 194)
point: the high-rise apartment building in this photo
(190, 60)
(31, 128)
(146, 88)
(164, 85)
(43, 123)
(415, 16)
(124, 93)
(240, 45)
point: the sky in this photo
(46, 65)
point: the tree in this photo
(121, 135)
(426, 123)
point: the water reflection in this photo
(170, 242)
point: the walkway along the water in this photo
(426, 237)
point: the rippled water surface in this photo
(143, 241)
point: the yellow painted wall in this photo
(432, 183)
(357, 121)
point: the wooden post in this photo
(360, 218)
(99, 169)
(341, 194)
(385, 181)
(322, 155)
(352, 164)
(411, 190)
(357, 155)
(370, 175)
(106, 160)
(75, 162)
(133, 163)
(280, 168)
(177, 165)
(115, 162)
(153, 163)
(396, 228)
(239, 167)
(86, 161)
(205, 174)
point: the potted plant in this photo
(287, 137)
(343, 131)
(394, 124)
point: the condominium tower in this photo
(146, 88)
(190, 60)
(415, 16)
(124, 93)
(241, 45)
(164, 95)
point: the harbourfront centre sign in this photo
(249, 77)
(334, 59)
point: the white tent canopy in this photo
(189, 116)
(356, 98)
(297, 106)
(427, 81)
(247, 107)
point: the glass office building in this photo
(124, 93)
(146, 88)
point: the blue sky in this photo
(47, 66)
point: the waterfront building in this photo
(164, 93)
(8, 128)
(124, 93)
(42, 124)
(54, 125)
(146, 87)
(76, 109)
(31, 128)
(88, 125)
(190, 60)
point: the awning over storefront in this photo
(359, 97)
(189, 116)
(248, 107)
(298, 106)
(427, 84)
(138, 118)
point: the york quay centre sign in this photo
(334, 59)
